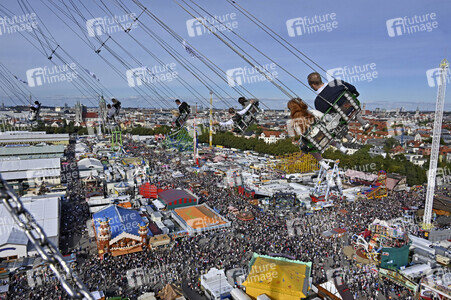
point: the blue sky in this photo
(360, 37)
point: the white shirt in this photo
(322, 88)
(316, 113)
(111, 112)
(241, 112)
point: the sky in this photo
(387, 47)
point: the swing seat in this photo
(316, 139)
(241, 123)
(33, 116)
(181, 119)
(347, 106)
(332, 125)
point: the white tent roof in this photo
(44, 210)
(90, 163)
(158, 204)
(415, 269)
(330, 286)
(216, 282)
(29, 164)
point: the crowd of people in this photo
(185, 259)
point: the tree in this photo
(361, 160)
(390, 143)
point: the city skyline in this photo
(391, 57)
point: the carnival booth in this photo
(175, 198)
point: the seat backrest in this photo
(237, 118)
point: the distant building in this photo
(32, 138)
(32, 152)
(199, 219)
(377, 150)
(31, 173)
(119, 231)
(278, 277)
(13, 241)
(80, 111)
(87, 165)
(174, 198)
(216, 285)
(272, 136)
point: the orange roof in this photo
(381, 132)
(397, 149)
(91, 115)
(415, 144)
(268, 133)
(444, 150)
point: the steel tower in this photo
(441, 83)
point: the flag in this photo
(21, 80)
(190, 50)
(92, 75)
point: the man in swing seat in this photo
(184, 112)
(236, 118)
(34, 111)
(330, 92)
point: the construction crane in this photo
(441, 83)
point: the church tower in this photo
(104, 236)
(143, 233)
(103, 112)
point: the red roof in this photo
(172, 195)
(91, 115)
(444, 150)
(415, 144)
(398, 149)
(268, 133)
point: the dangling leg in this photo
(320, 160)
(350, 138)
(340, 147)
(365, 124)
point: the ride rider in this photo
(301, 120)
(184, 111)
(331, 91)
(34, 111)
(111, 113)
(236, 115)
(117, 106)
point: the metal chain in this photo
(37, 236)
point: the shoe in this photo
(324, 164)
(343, 150)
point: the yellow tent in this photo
(279, 278)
